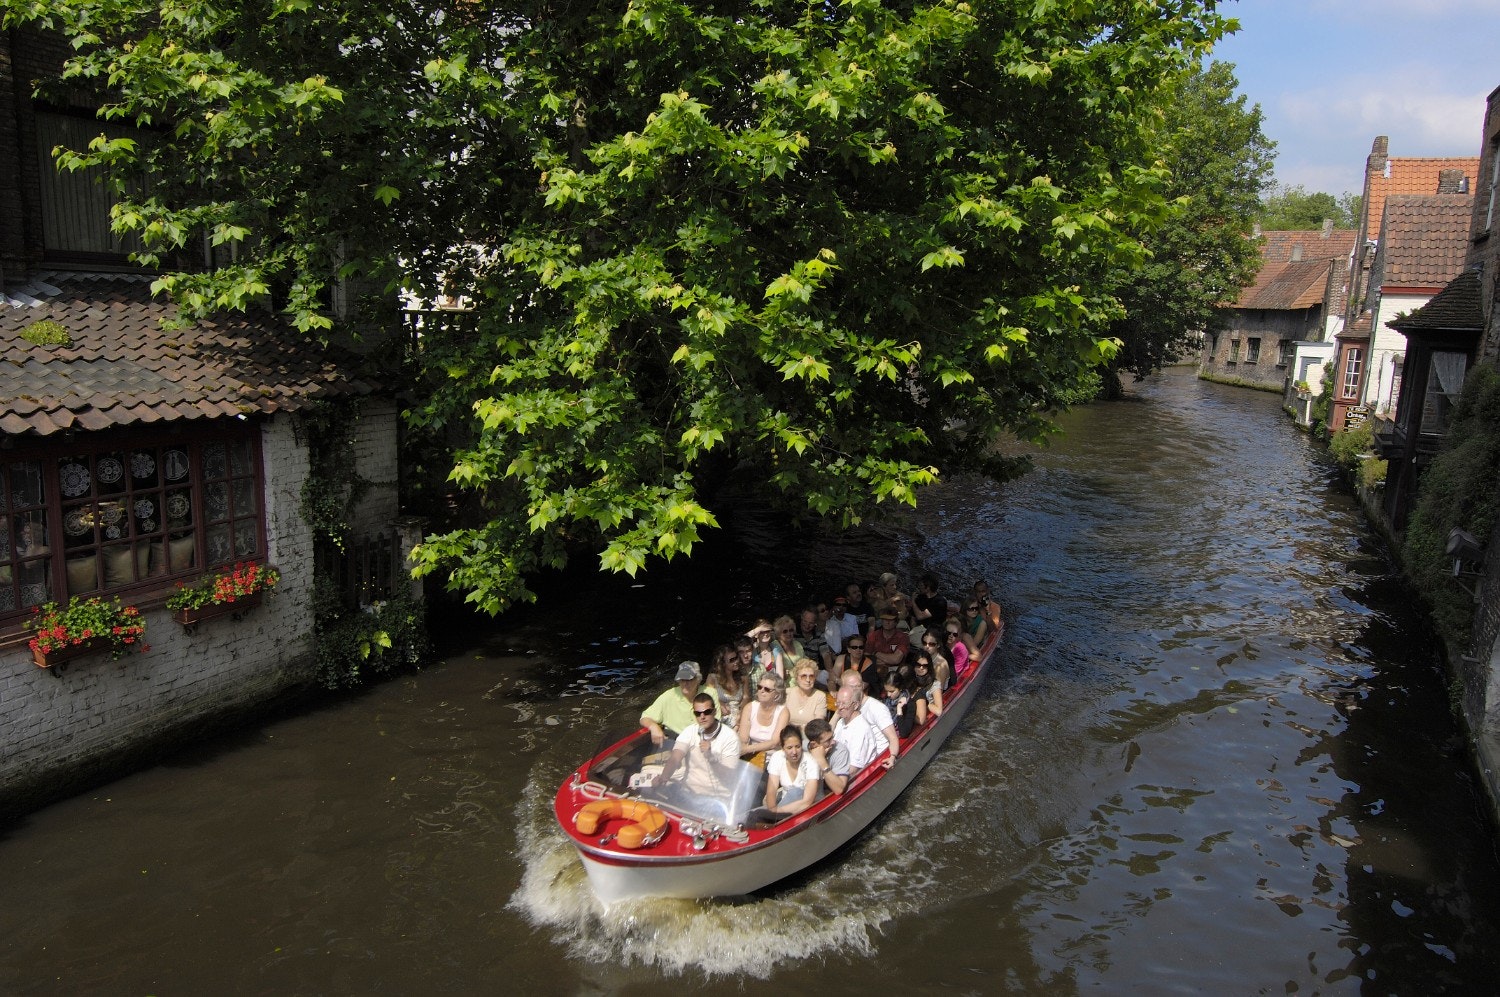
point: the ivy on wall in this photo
(350, 641)
(1459, 489)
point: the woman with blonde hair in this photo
(762, 720)
(804, 700)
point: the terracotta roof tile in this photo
(122, 368)
(1281, 245)
(1424, 239)
(1295, 268)
(1412, 175)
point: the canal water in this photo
(1216, 756)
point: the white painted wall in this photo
(1385, 346)
(70, 716)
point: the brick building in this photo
(1278, 330)
(1391, 273)
(134, 458)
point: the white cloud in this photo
(1421, 120)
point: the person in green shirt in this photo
(673, 710)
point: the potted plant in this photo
(82, 627)
(239, 588)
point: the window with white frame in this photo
(125, 514)
(1353, 362)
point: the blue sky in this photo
(1331, 75)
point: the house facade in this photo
(135, 458)
(1368, 354)
(1297, 301)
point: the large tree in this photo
(1220, 162)
(834, 249)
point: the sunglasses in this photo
(856, 647)
(768, 688)
(929, 643)
(971, 609)
(704, 713)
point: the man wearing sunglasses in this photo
(709, 754)
(672, 711)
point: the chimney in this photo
(1377, 161)
(1327, 228)
(1297, 253)
(1452, 182)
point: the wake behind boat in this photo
(639, 839)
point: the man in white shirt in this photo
(710, 755)
(874, 712)
(853, 732)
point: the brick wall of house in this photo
(70, 723)
(375, 461)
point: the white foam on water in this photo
(746, 937)
(901, 867)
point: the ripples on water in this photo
(1158, 781)
(1215, 757)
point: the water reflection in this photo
(1216, 757)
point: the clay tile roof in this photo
(1412, 175)
(1455, 307)
(1424, 239)
(1281, 245)
(1295, 267)
(122, 368)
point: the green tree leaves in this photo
(827, 251)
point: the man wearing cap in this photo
(673, 709)
(887, 644)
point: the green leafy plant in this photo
(225, 587)
(1461, 488)
(1349, 446)
(59, 627)
(47, 332)
(351, 644)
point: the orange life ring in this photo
(648, 824)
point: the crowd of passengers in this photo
(814, 697)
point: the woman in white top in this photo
(804, 700)
(763, 718)
(793, 780)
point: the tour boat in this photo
(634, 843)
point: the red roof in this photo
(1294, 269)
(1424, 239)
(122, 368)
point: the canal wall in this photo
(1473, 672)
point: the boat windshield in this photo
(697, 787)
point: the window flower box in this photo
(84, 626)
(228, 592)
(213, 610)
